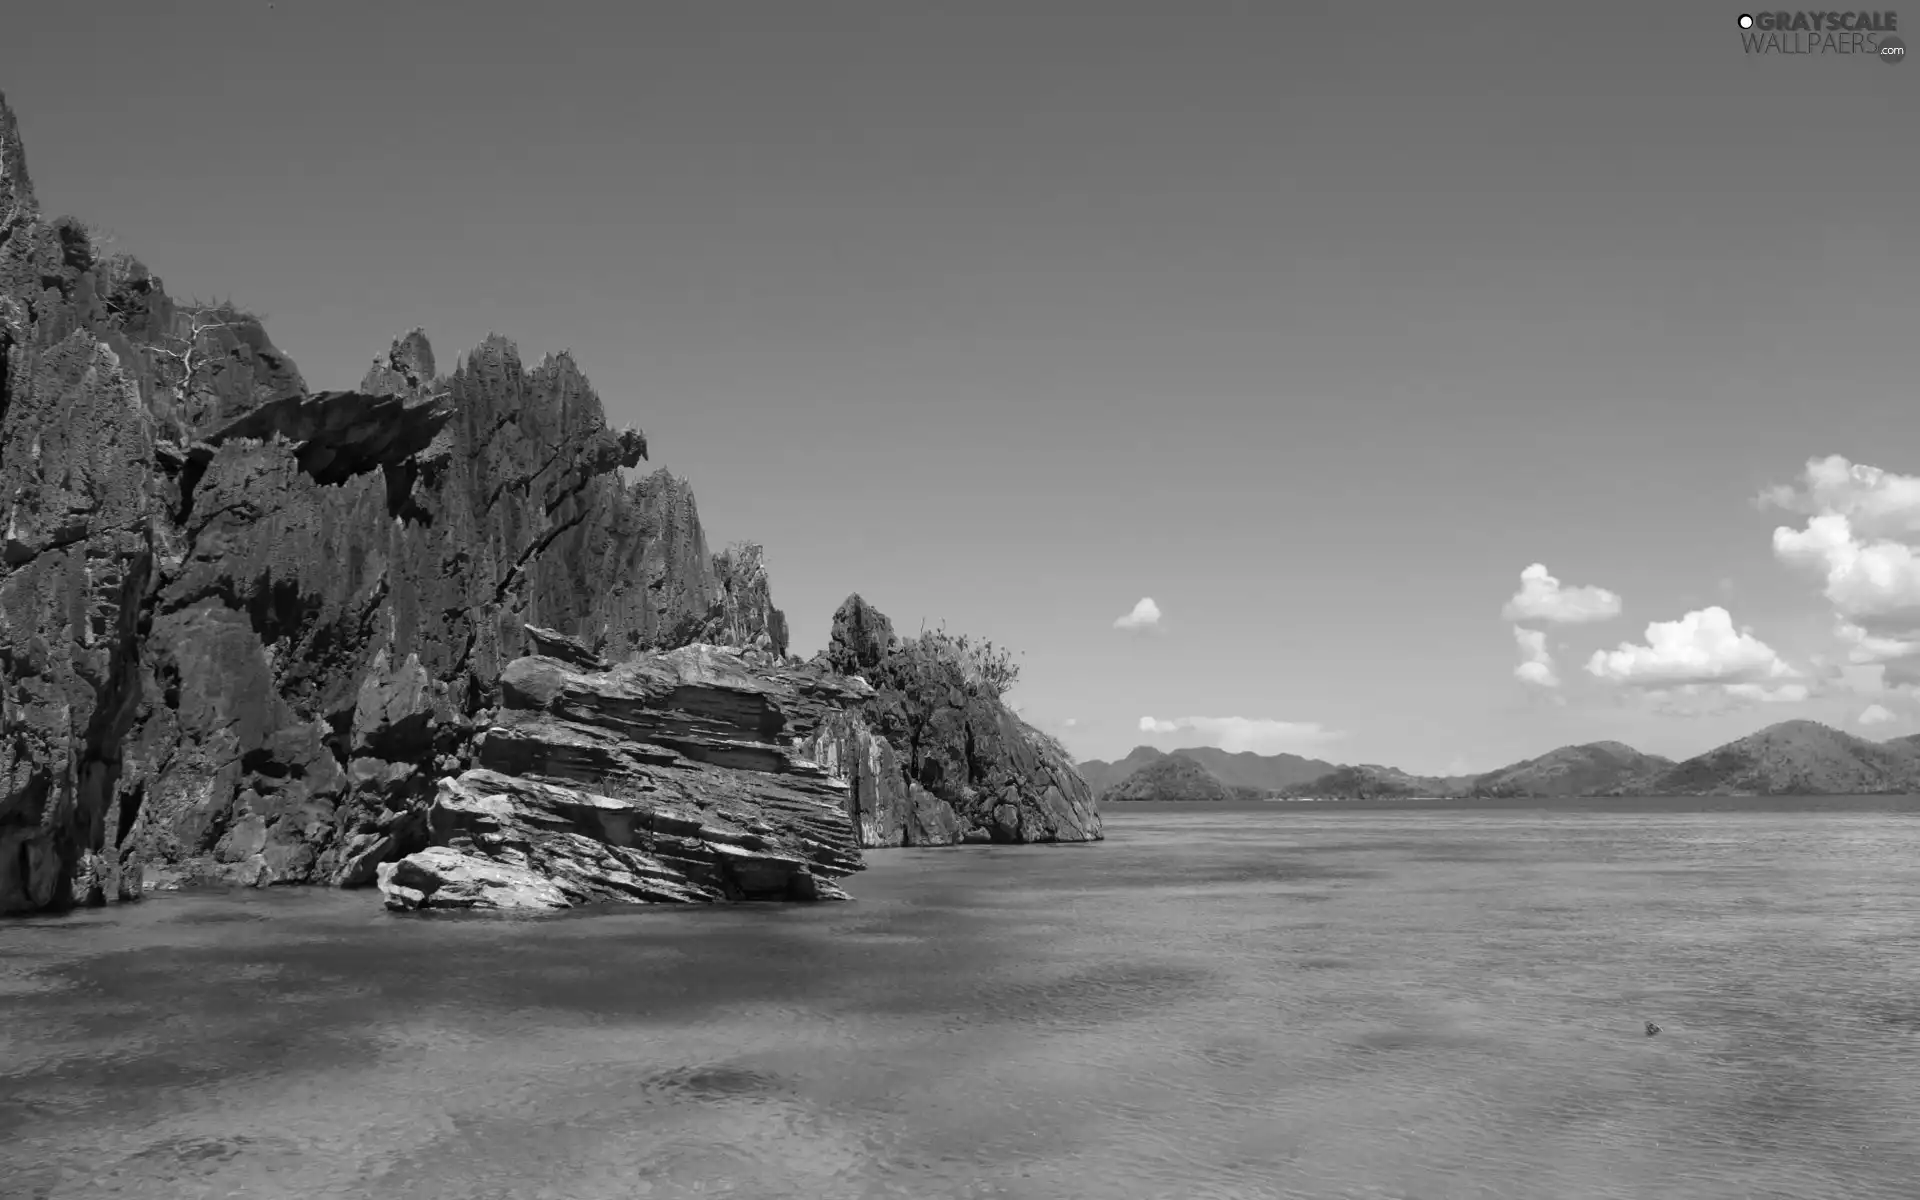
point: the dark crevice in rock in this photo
(193, 468)
(402, 504)
(117, 697)
(76, 248)
(19, 554)
(130, 804)
(339, 737)
(6, 382)
(532, 552)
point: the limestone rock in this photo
(570, 650)
(439, 877)
(245, 626)
(670, 778)
(934, 759)
(862, 636)
(743, 615)
(251, 633)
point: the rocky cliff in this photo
(252, 633)
(935, 757)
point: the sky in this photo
(1314, 326)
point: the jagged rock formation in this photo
(936, 758)
(250, 633)
(243, 626)
(672, 777)
(861, 637)
(742, 613)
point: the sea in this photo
(1433, 1001)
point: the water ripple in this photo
(1439, 1004)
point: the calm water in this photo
(1282, 1002)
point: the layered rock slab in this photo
(671, 778)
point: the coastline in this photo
(1872, 803)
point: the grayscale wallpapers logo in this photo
(1868, 34)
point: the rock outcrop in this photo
(251, 633)
(244, 626)
(702, 774)
(672, 777)
(861, 637)
(935, 757)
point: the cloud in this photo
(1070, 722)
(1878, 505)
(1861, 534)
(1874, 714)
(1784, 693)
(1235, 734)
(1542, 598)
(1866, 648)
(1701, 648)
(1707, 700)
(1536, 666)
(1872, 584)
(1145, 615)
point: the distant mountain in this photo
(1260, 773)
(1803, 758)
(1170, 777)
(1793, 758)
(1103, 775)
(1370, 781)
(1590, 770)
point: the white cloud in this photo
(1783, 693)
(1863, 525)
(1702, 647)
(1874, 714)
(1542, 598)
(1878, 505)
(1070, 722)
(1867, 648)
(1145, 615)
(1234, 734)
(1536, 666)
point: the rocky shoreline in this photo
(422, 633)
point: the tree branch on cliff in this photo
(187, 356)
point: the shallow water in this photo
(1273, 1002)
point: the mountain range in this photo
(1261, 772)
(1790, 758)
